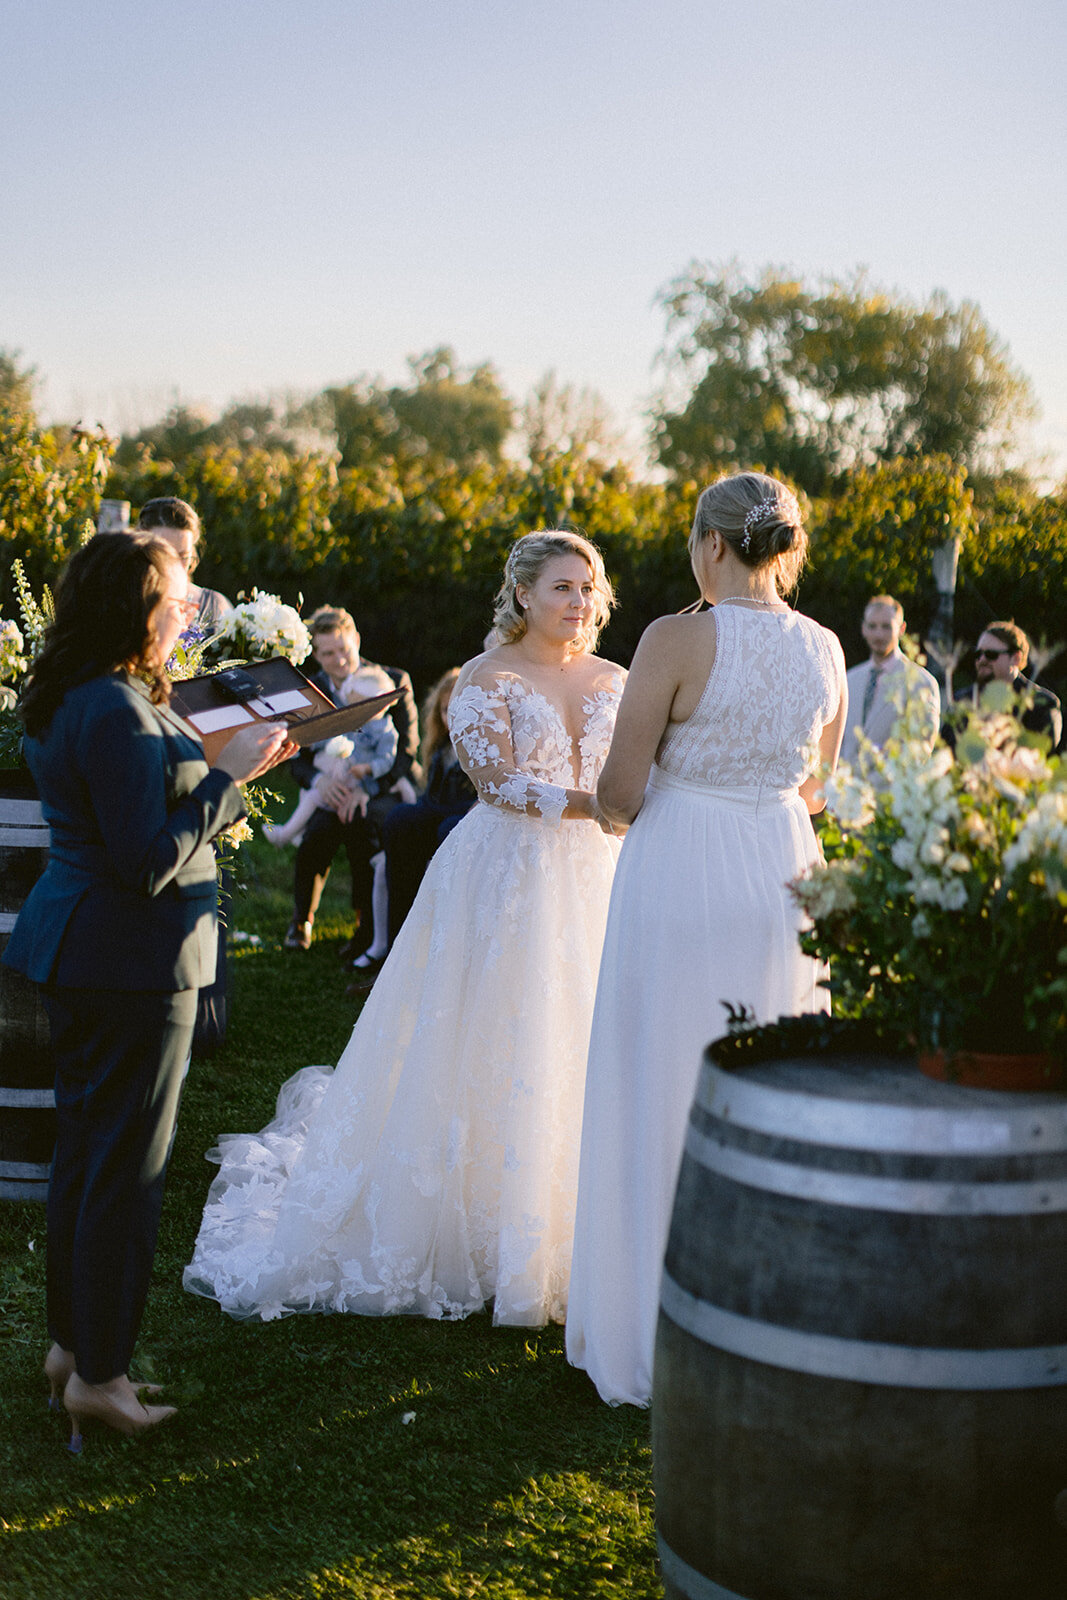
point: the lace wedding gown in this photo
(437, 1167)
(699, 915)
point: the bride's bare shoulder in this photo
(600, 673)
(488, 670)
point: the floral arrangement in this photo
(12, 661)
(942, 904)
(261, 627)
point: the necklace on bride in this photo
(750, 600)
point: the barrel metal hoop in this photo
(864, 1192)
(862, 1361)
(26, 1170)
(875, 1126)
(24, 810)
(13, 837)
(24, 1191)
(28, 1099)
(691, 1582)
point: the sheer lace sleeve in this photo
(499, 758)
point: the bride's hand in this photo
(616, 829)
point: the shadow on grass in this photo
(295, 1472)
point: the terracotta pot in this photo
(973, 1069)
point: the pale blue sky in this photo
(217, 200)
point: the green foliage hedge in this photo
(414, 547)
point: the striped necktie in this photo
(869, 692)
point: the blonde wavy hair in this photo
(527, 560)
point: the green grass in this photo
(290, 1470)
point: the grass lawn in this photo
(314, 1456)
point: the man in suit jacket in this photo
(880, 689)
(1000, 655)
(335, 647)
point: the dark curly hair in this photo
(105, 599)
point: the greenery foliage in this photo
(399, 503)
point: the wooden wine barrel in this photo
(861, 1363)
(27, 1098)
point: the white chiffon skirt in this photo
(699, 916)
(436, 1169)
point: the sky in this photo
(210, 202)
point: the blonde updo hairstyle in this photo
(528, 558)
(760, 520)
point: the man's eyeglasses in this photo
(990, 655)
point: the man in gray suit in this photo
(887, 683)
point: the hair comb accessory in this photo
(783, 507)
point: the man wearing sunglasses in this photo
(1000, 655)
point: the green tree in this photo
(809, 382)
(17, 384)
(247, 424)
(50, 485)
(458, 416)
(877, 534)
(445, 413)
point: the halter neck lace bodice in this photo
(758, 721)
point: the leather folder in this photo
(284, 695)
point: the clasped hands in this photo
(616, 829)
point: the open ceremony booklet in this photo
(218, 703)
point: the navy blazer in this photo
(128, 899)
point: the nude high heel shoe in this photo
(116, 1407)
(58, 1368)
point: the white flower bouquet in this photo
(12, 661)
(261, 627)
(942, 904)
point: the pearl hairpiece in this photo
(783, 508)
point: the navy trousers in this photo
(120, 1061)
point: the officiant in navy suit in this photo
(120, 932)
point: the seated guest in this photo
(357, 762)
(335, 647)
(177, 524)
(1000, 655)
(411, 833)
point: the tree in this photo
(50, 484)
(245, 425)
(17, 385)
(556, 419)
(809, 382)
(445, 414)
(877, 535)
(458, 417)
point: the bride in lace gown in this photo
(436, 1169)
(726, 717)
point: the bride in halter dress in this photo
(726, 718)
(436, 1168)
